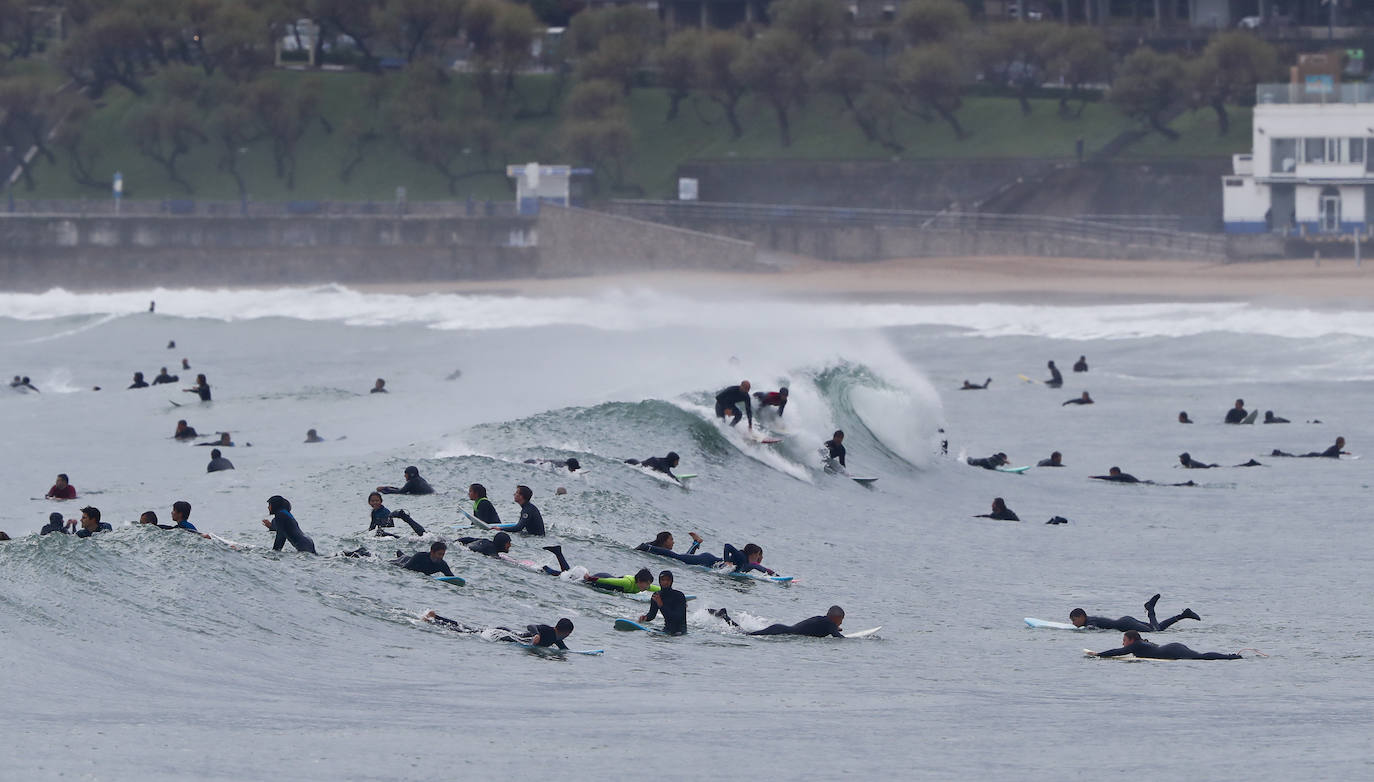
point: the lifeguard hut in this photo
(536, 184)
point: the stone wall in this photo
(578, 241)
(38, 252)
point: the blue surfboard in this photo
(626, 624)
(554, 650)
(455, 580)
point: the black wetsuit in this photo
(1236, 415)
(165, 378)
(733, 556)
(481, 546)
(674, 610)
(216, 444)
(836, 451)
(987, 463)
(1006, 514)
(219, 463)
(732, 397)
(1080, 366)
(1124, 477)
(485, 512)
(287, 528)
(1194, 464)
(421, 562)
(1056, 380)
(1174, 651)
(186, 434)
(99, 527)
(531, 521)
(1273, 419)
(53, 526)
(542, 635)
(381, 519)
(203, 391)
(659, 464)
(1334, 452)
(139, 384)
(816, 627)
(416, 485)
(1048, 463)
(1078, 401)
(1131, 623)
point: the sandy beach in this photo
(1043, 280)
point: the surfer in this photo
(743, 560)
(55, 524)
(1183, 417)
(1132, 643)
(1193, 464)
(184, 431)
(974, 386)
(1237, 414)
(139, 382)
(988, 463)
(663, 464)
(379, 387)
(834, 450)
(91, 523)
(1082, 400)
(218, 462)
(28, 384)
(498, 545)
(201, 388)
(286, 526)
(776, 399)
(185, 365)
(1270, 418)
(61, 489)
(1081, 365)
(534, 635)
(224, 440)
(163, 377)
(1117, 476)
(429, 562)
(1080, 618)
(1000, 511)
(531, 520)
(414, 484)
(381, 518)
(669, 601)
(1056, 380)
(641, 581)
(311, 436)
(1334, 452)
(482, 508)
(572, 464)
(728, 402)
(1056, 460)
(816, 626)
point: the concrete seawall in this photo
(101, 252)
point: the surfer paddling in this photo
(1132, 643)
(1080, 618)
(534, 634)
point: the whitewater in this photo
(151, 655)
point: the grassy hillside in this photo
(821, 131)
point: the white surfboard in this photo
(864, 633)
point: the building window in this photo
(1356, 150)
(1314, 150)
(1333, 150)
(1283, 155)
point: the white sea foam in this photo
(628, 309)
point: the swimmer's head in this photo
(1079, 617)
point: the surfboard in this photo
(476, 522)
(455, 580)
(769, 440)
(626, 624)
(864, 481)
(1028, 380)
(1250, 419)
(1017, 470)
(1048, 625)
(864, 633)
(751, 575)
(555, 651)
(683, 477)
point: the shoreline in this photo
(1029, 280)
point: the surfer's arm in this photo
(1125, 650)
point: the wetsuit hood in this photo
(277, 503)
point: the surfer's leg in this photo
(557, 551)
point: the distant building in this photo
(1311, 169)
(724, 14)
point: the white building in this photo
(1312, 166)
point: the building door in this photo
(1329, 210)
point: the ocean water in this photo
(143, 655)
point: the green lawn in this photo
(820, 131)
(1199, 136)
